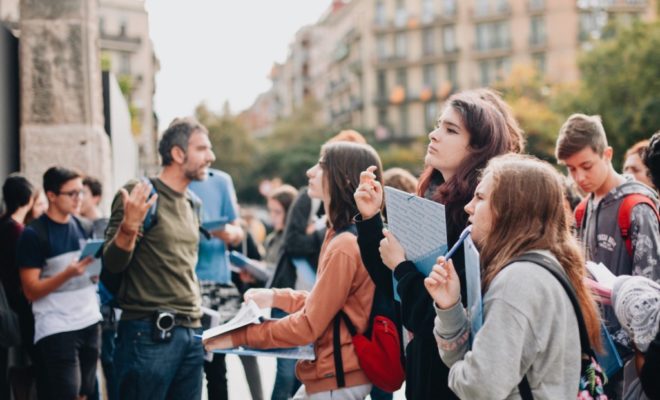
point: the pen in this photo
(458, 243)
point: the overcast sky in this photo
(217, 50)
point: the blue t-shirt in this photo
(62, 238)
(218, 201)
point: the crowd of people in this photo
(166, 267)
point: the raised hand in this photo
(391, 251)
(443, 284)
(263, 297)
(136, 205)
(369, 194)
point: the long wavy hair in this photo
(489, 137)
(527, 209)
(342, 163)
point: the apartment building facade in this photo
(388, 65)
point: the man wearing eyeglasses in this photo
(64, 301)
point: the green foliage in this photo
(235, 150)
(620, 82)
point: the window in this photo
(481, 7)
(400, 14)
(428, 14)
(123, 27)
(380, 12)
(400, 44)
(449, 39)
(452, 75)
(503, 6)
(537, 31)
(536, 4)
(402, 77)
(382, 116)
(429, 76)
(403, 120)
(381, 47)
(493, 35)
(428, 44)
(484, 73)
(449, 7)
(102, 25)
(381, 78)
(125, 63)
(430, 115)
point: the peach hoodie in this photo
(342, 283)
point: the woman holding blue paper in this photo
(530, 331)
(469, 132)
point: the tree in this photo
(620, 83)
(235, 150)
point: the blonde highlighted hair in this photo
(527, 209)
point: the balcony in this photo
(488, 50)
(120, 42)
(535, 7)
(538, 42)
(485, 14)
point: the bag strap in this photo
(551, 265)
(580, 210)
(625, 212)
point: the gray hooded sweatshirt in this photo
(600, 235)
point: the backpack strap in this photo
(625, 213)
(551, 265)
(580, 211)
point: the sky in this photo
(216, 50)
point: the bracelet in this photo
(126, 231)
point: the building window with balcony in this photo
(449, 39)
(381, 47)
(493, 36)
(102, 25)
(428, 42)
(485, 72)
(452, 75)
(449, 7)
(481, 7)
(502, 6)
(380, 13)
(429, 76)
(400, 14)
(400, 45)
(537, 31)
(402, 78)
(123, 27)
(428, 11)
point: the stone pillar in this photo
(61, 90)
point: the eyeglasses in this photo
(73, 193)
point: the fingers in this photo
(368, 176)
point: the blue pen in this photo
(459, 242)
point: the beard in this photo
(196, 174)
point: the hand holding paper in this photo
(443, 284)
(369, 194)
(219, 342)
(262, 297)
(391, 251)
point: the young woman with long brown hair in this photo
(469, 132)
(342, 284)
(530, 327)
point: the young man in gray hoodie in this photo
(582, 147)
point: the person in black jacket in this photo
(469, 132)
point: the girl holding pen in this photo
(469, 132)
(530, 328)
(342, 284)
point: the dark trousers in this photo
(69, 362)
(145, 369)
(216, 377)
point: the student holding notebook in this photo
(530, 328)
(342, 284)
(469, 132)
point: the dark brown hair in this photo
(342, 163)
(528, 210)
(284, 195)
(516, 134)
(489, 137)
(578, 132)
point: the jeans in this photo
(107, 355)
(286, 383)
(69, 362)
(145, 369)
